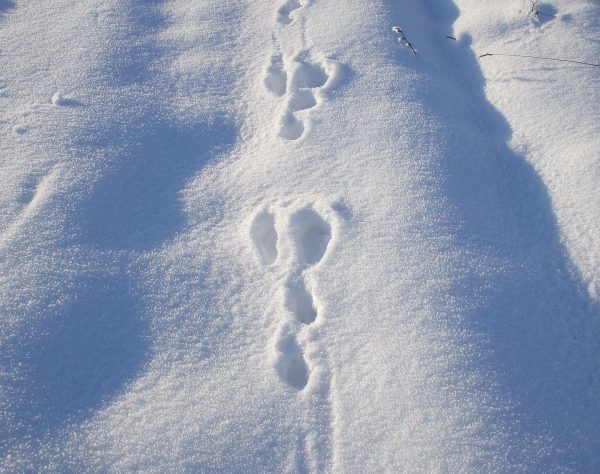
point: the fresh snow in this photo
(267, 237)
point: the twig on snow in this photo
(535, 11)
(403, 39)
(540, 57)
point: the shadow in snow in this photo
(6, 5)
(546, 13)
(71, 361)
(135, 205)
(66, 102)
(146, 157)
(134, 50)
(536, 324)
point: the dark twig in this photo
(534, 11)
(540, 57)
(403, 39)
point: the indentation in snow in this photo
(264, 236)
(291, 127)
(300, 302)
(313, 234)
(283, 13)
(302, 99)
(276, 78)
(292, 365)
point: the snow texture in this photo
(267, 237)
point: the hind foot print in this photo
(276, 79)
(264, 236)
(291, 127)
(312, 233)
(309, 75)
(291, 364)
(283, 13)
(300, 302)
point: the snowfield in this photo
(264, 236)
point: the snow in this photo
(267, 237)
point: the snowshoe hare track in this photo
(299, 302)
(299, 80)
(306, 242)
(264, 236)
(291, 364)
(276, 77)
(313, 234)
(307, 78)
(285, 11)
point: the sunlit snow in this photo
(299, 236)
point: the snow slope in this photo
(264, 236)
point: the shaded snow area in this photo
(265, 236)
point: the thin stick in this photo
(535, 12)
(404, 39)
(409, 44)
(540, 57)
(523, 6)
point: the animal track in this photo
(313, 234)
(309, 75)
(283, 13)
(300, 302)
(307, 78)
(264, 236)
(292, 366)
(276, 78)
(306, 245)
(291, 127)
(302, 99)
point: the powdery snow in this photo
(265, 237)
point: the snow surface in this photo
(264, 236)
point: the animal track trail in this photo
(306, 242)
(306, 79)
(284, 12)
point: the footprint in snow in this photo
(264, 236)
(276, 78)
(300, 302)
(307, 79)
(312, 234)
(285, 10)
(291, 365)
(309, 234)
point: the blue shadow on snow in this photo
(135, 204)
(6, 5)
(75, 359)
(536, 324)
